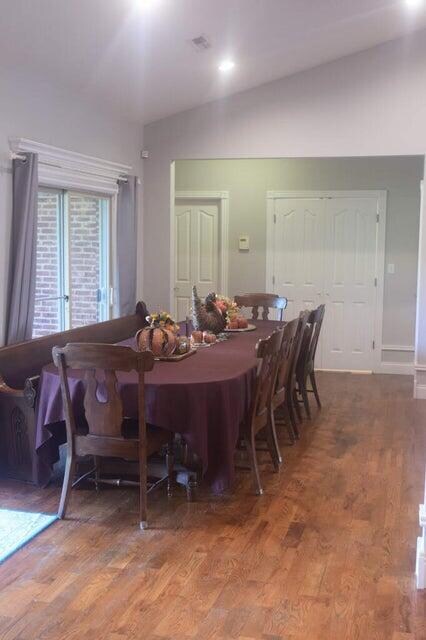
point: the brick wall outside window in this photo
(46, 313)
(84, 216)
(84, 220)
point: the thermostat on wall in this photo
(244, 243)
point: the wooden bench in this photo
(20, 369)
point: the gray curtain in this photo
(127, 245)
(22, 261)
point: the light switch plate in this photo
(244, 243)
(391, 268)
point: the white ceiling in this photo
(134, 55)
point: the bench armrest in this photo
(29, 391)
(9, 391)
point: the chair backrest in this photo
(286, 355)
(265, 300)
(310, 338)
(299, 339)
(104, 415)
(268, 351)
(315, 320)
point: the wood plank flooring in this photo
(327, 553)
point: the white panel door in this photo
(325, 251)
(349, 285)
(299, 253)
(196, 252)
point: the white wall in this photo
(247, 182)
(33, 109)
(372, 103)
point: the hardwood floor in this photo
(327, 553)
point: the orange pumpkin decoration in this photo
(197, 336)
(162, 342)
(242, 323)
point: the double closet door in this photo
(325, 251)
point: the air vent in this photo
(200, 43)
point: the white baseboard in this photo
(397, 368)
(357, 371)
(421, 551)
(420, 391)
(420, 565)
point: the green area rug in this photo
(19, 527)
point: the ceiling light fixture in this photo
(226, 65)
(414, 3)
(145, 4)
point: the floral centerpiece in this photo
(164, 320)
(228, 307)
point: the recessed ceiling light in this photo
(414, 3)
(226, 65)
(145, 4)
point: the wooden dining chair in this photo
(283, 386)
(106, 432)
(267, 351)
(265, 300)
(306, 361)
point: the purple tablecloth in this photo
(205, 398)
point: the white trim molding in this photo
(421, 547)
(419, 381)
(395, 367)
(217, 196)
(420, 341)
(398, 347)
(67, 169)
(381, 197)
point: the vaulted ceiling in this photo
(136, 56)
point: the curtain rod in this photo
(17, 156)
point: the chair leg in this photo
(97, 474)
(143, 497)
(304, 394)
(296, 405)
(291, 404)
(170, 459)
(315, 388)
(67, 484)
(272, 441)
(251, 452)
(286, 421)
(289, 425)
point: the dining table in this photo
(205, 398)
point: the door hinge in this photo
(374, 344)
(275, 218)
(273, 279)
(375, 282)
(377, 217)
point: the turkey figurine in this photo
(207, 316)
